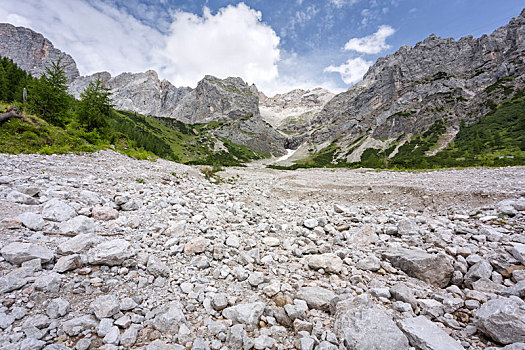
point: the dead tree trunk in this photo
(12, 113)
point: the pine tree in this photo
(48, 95)
(95, 106)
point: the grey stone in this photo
(256, 278)
(113, 336)
(200, 344)
(263, 342)
(316, 297)
(57, 308)
(248, 314)
(170, 319)
(503, 320)
(482, 269)
(435, 269)
(105, 306)
(129, 337)
(111, 253)
(236, 336)
(160, 345)
(32, 221)
(57, 210)
(79, 324)
(104, 213)
(78, 225)
(219, 301)
(6, 320)
(370, 263)
(77, 244)
(67, 263)
(104, 327)
(49, 282)
(83, 344)
(407, 227)
(364, 328)
(518, 252)
(156, 267)
(425, 335)
(127, 304)
(311, 223)
(15, 279)
(17, 253)
(32, 344)
(328, 262)
(21, 198)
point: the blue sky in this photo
(279, 45)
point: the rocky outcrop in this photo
(437, 79)
(295, 108)
(142, 93)
(217, 99)
(32, 52)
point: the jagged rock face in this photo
(32, 52)
(294, 107)
(436, 79)
(217, 99)
(142, 93)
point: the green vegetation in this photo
(94, 108)
(55, 122)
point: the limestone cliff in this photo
(437, 79)
(32, 52)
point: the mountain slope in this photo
(436, 80)
(32, 52)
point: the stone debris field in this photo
(101, 251)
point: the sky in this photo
(279, 45)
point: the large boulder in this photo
(57, 210)
(435, 269)
(17, 253)
(77, 244)
(425, 335)
(78, 225)
(503, 320)
(105, 306)
(248, 314)
(32, 221)
(316, 297)
(364, 328)
(111, 253)
(328, 262)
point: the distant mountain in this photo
(32, 52)
(405, 93)
(434, 88)
(293, 109)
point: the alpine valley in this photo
(440, 103)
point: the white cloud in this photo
(371, 44)
(352, 71)
(341, 3)
(232, 42)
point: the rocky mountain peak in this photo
(32, 52)
(296, 105)
(437, 79)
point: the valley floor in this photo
(101, 250)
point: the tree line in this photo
(48, 97)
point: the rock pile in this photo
(91, 258)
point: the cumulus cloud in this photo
(352, 71)
(371, 44)
(232, 42)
